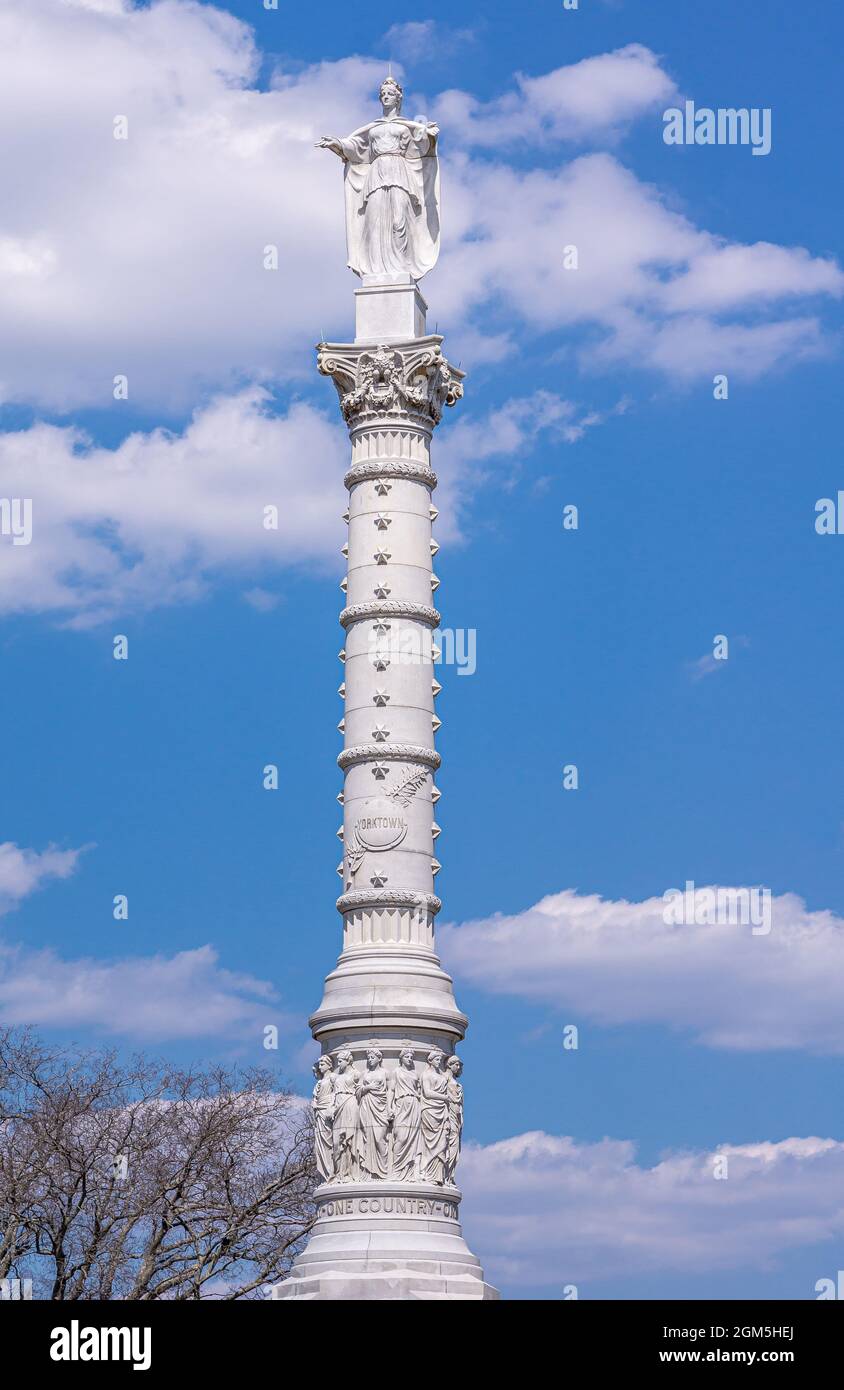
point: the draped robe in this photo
(323, 1108)
(434, 1123)
(373, 1122)
(345, 1123)
(392, 193)
(455, 1125)
(406, 1117)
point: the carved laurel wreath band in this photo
(381, 468)
(359, 612)
(388, 752)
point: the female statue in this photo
(373, 1117)
(454, 1066)
(323, 1110)
(345, 1118)
(406, 1111)
(435, 1117)
(391, 177)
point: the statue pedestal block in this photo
(389, 308)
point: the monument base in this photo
(386, 1240)
(384, 1285)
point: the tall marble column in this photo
(388, 1101)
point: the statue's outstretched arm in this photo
(353, 148)
(424, 134)
(330, 142)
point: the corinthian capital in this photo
(412, 383)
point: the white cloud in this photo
(709, 663)
(705, 665)
(160, 517)
(22, 871)
(188, 995)
(590, 99)
(658, 290)
(475, 452)
(618, 963)
(692, 347)
(148, 522)
(543, 1209)
(164, 998)
(724, 277)
(421, 40)
(262, 600)
(112, 7)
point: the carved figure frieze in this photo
(376, 1124)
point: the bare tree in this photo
(142, 1181)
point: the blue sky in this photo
(696, 519)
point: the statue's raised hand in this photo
(329, 142)
(425, 127)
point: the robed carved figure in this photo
(407, 1115)
(323, 1109)
(392, 187)
(435, 1117)
(345, 1117)
(373, 1117)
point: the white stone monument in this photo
(388, 1104)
